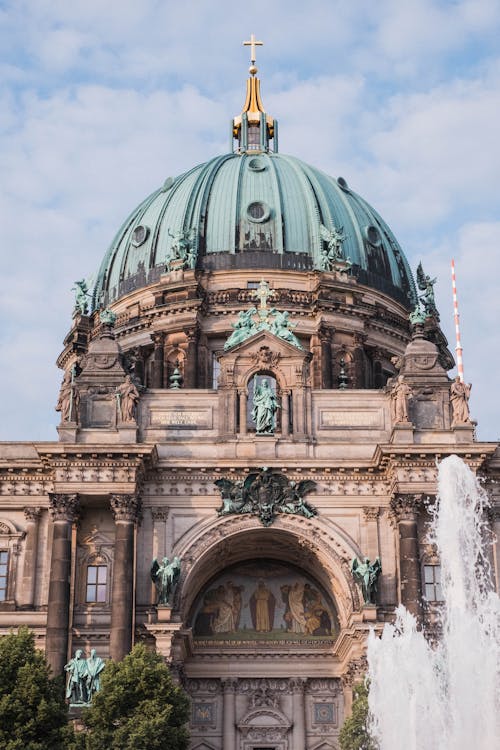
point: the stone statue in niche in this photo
(459, 398)
(366, 574)
(127, 397)
(265, 406)
(69, 397)
(400, 394)
(165, 577)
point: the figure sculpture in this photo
(426, 285)
(127, 397)
(282, 327)
(400, 394)
(95, 665)
(459, 398)
(243, 328)
(76, 687)
(182, 248)
(81, 297)
(69, 397)
(366, 574)
(165, 578)
(265, 405)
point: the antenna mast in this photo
(458, 348)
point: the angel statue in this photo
(294, 498)
(426, 285)
(182, 247)
(366, 574)
(165, 578)
(332, 254)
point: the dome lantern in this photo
(254, 128)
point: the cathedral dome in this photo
(254, 209)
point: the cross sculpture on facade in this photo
(252, 43)
(263, 292)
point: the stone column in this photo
(125, 509)
(326, 358)
(299, 716)
(157, 362)
(285, 413)
(243, 397)
(63, 511)
(405, 509)
(229, 715)
(370, 515)
(191, 367)
(27, 598)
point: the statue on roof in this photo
(426, 285)
(81, 290)
(332, 256)
(182, 248)
(243, 328)
(459, 399)
(69, 397)
(283, 327)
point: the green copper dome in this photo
(254, 210)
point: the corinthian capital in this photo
(405, 507)
(125, 507)
(32, 514)
(63, 507)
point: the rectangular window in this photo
(4, 562)
(432, 582)
(215, 372)
(97, 581)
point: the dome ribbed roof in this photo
(262, 210)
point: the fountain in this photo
(444, 697)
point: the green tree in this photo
(138, 707)
(354, 734)
(33, 714)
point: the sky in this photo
(100, 102)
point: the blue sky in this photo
(100, 102)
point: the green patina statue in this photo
(81, 290)
(265, 406)
(366, 574)
(243, 328)
(165, 577)
(417, 317)
(107, 317)
(283, 327)
(265, 494)
(426, 285)
(83, 677)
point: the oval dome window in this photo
(139, 235)
(258, 212)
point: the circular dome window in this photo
(256, 165)
(139, 235)
(372, 235)
(258, 212)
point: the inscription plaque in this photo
(182, 418)
(331, 419)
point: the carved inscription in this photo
(330, 418)
(172, 419)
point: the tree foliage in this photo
(33, 714)
(138, 707)
(354, 734)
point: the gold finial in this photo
(252, 43)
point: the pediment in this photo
(266, 338)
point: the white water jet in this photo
(447, 697)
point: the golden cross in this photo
(252, 44)
(263, 292)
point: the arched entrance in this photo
(265, 627)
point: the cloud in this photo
(99, 103)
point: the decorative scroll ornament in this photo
(265, 494)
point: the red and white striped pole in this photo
(458, 348)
